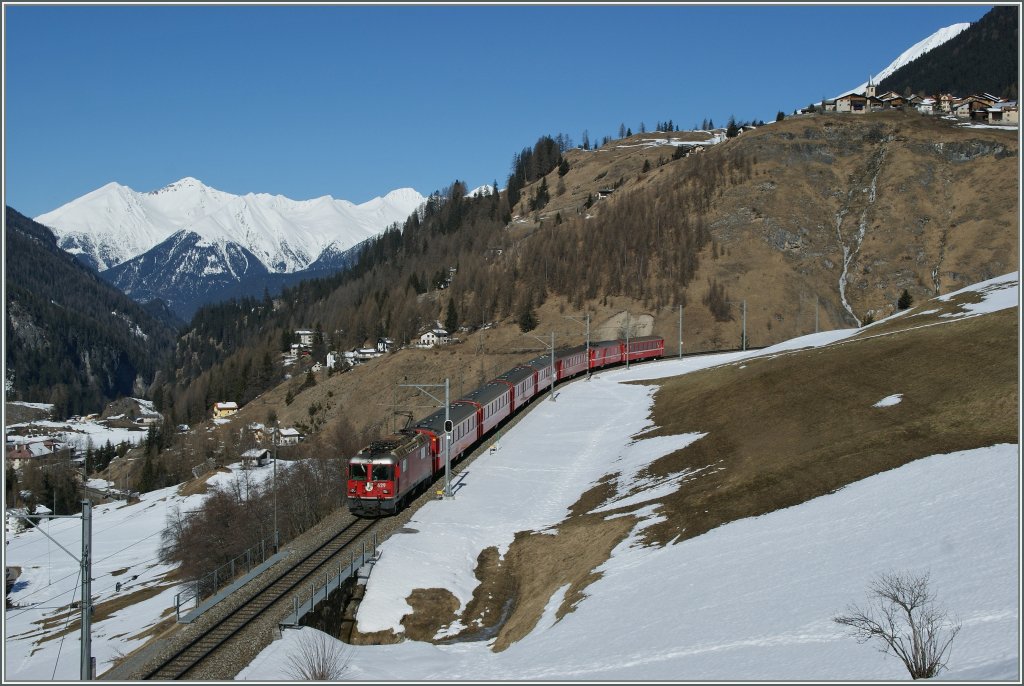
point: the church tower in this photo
(870, 90)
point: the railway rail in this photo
(181, 662)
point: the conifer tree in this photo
(905, 301)
(451, 319)
(731, 131)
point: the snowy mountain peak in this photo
(186, 183)
(404, 195)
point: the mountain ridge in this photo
(115, 223)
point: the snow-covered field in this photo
(751, 600)
(126, 545)
(79, 432)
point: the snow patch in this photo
(889, 400)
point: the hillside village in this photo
(981, 108)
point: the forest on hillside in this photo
(75, 341)
(455, 261)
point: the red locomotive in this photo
(391, 471)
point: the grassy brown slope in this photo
(789, 428)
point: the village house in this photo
(258, 431)
(927, 106)
(305, 337)
(435, 336)
(1004, 113)
(366, 354)
(385, 345)
(946, 101)
(21, 449)
(221, 410)
(255, 457)
(893, 101)
(289, 436)
(857, 103)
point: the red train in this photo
(385, 475)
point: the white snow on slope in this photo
(115, 223)
(912, 53)
(751, 600)
(126, 545)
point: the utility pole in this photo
(680, 332)
(744, 326)
(588, 338)
(86, 670)
(276, 438)
(744, 302)
(447, 427)
(85, 563)
(551, 396)
(552, 365)
(627, 339)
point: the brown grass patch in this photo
(198, 485)
(100, 611)
(159, 629)
(514, 590)
(541, 564)
(429, 608)
(793, 427)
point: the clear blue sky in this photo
(354, 101)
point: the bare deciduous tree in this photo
(903, 617)
(320, 658)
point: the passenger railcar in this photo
(463, 435)
(492, 403)
(644, 348)
(544, 368)
(522, 382)
(389, 472)
(605, 353)
(570, 362)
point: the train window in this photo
(382, 472)
(357, 472)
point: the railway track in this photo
(192, 654)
